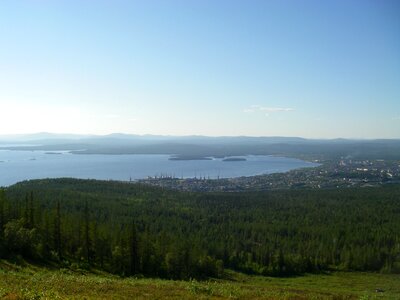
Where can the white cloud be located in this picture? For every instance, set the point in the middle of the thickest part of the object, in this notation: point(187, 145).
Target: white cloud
point(275, 109)
point(267, 110)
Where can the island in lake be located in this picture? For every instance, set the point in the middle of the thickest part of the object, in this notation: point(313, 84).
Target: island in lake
point(189, 157)
point(234, 159)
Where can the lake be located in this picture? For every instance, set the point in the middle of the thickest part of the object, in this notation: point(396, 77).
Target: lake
point(17, 166)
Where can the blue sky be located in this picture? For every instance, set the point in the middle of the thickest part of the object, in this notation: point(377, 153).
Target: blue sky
point(316, 69)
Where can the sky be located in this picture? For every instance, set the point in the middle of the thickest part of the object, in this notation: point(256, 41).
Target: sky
point(315, 69)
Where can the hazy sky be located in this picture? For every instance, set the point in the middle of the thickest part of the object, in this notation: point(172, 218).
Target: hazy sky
point(262, 68)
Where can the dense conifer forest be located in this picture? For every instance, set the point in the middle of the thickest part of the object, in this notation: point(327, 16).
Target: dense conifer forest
point(132, 229)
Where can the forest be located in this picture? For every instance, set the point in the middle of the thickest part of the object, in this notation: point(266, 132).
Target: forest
point(133, 229)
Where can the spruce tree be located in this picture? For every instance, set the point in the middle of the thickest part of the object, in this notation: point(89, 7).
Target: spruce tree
point(57, 230)
point(31, 211)
point(87, 241)
point(133, 249)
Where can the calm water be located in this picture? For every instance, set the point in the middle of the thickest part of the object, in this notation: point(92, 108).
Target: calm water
point(16, 166)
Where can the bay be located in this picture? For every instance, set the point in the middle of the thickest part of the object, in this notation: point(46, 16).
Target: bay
point(17, 166)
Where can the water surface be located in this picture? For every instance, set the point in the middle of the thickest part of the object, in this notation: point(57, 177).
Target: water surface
point(17, 166)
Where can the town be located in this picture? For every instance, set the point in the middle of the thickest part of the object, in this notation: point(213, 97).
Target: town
point(342, 173)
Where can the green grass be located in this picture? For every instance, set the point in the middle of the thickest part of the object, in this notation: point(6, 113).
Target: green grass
point(34, 282)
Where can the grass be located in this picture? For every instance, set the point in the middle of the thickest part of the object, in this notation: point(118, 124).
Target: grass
point(35, 282)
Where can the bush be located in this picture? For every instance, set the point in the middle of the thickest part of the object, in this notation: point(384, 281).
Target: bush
point(20, 240)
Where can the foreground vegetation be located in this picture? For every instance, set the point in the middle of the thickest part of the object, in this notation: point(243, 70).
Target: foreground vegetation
point(130, 229)
point(37, 282)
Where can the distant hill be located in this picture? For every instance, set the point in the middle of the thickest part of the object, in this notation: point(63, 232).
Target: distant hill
point(202, 146)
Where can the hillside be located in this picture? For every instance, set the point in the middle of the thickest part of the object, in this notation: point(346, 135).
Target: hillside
point(130, 229)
